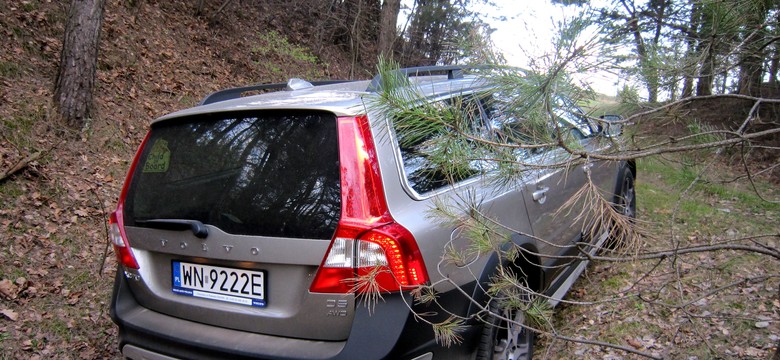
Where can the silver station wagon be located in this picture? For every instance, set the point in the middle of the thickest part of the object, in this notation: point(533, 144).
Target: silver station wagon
point(245, 224)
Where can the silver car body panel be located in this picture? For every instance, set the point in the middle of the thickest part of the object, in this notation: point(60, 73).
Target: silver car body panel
point(289, 265)
point(296, 321)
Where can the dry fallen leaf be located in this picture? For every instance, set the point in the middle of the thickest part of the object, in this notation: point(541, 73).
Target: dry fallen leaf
point(10, 314)
point(8, 289)
point(635, 344)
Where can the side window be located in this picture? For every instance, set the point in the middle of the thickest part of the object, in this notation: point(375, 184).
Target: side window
point(573, 120)
point(423, 156)
point(573, 131)
point(509, 126)
point(506, 126)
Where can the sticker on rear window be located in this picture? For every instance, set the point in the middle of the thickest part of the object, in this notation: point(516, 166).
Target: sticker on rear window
point(159, 157)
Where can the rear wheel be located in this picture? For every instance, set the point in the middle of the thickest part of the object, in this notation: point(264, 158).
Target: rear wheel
point(505, 340)
point(625, 204)
point(626, 200)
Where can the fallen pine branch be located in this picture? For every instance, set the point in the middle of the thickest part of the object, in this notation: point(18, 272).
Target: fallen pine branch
point(20, 165)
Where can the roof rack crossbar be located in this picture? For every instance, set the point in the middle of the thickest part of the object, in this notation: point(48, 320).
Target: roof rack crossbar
point(452, 71)
point(234, 93)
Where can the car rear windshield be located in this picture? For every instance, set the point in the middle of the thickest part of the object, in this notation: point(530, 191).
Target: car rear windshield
point(249, 173)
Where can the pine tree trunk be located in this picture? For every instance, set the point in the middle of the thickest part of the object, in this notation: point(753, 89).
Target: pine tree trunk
point(390, 9)
point(689, 72)
point(200, 4)
point(752, 57)
point(774, 64)
point(706, 67)
point(78, 60)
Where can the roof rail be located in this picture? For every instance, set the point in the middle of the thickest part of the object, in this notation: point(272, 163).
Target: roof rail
point(234, 93)
point(452, 71)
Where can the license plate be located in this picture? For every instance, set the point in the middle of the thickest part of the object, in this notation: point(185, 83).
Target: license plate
point(238, 286)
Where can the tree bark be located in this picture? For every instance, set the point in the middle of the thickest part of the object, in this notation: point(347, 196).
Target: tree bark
point(199, 7)
point(706, 68)
point(774, 63)
point(78, 61)
point(692, 38)
point(387, 28)
point(648, 71)
point(751, 56)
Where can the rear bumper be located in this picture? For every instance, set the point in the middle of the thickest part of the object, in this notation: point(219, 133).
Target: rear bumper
point(390, 331)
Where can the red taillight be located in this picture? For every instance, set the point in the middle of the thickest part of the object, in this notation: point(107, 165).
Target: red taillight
point(116, 220)
point(118, 238)
point(368, 243)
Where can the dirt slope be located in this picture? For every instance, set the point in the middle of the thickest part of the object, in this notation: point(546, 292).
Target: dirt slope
point(156, 57)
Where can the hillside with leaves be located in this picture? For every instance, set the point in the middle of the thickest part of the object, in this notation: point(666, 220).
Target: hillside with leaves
point(57, 185)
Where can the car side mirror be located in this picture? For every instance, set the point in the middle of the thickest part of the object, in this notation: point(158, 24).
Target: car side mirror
point(610, 125)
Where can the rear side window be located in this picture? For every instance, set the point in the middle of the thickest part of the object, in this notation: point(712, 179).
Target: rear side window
point(425, 167)
point(249, 173)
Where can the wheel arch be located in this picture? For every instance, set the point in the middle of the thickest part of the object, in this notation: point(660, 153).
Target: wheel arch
point(631, 166)
point(527, 263)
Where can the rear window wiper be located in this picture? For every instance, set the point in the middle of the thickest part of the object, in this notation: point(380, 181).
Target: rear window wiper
point(198, 228)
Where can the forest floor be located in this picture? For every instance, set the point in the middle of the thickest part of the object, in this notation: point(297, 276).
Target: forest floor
point(720, 304)
point(57, 270)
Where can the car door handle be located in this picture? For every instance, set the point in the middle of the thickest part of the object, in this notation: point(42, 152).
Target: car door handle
point(586, 167)
point(540, 195)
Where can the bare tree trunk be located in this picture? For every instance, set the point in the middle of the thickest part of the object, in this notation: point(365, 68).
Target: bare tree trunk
point(777, 351)
point(199, 7)
point(774, 63)
point(707, 66)
point(692, 38)
point(647, 69)
point(78, 60)
point(687, 89)
point(752, 56)
point(355, 36)
point(387, 30)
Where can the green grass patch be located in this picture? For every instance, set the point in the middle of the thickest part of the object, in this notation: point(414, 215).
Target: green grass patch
point(78, 279)
point(28, 6)
point(693, 211)
point(10, 190)
point(703, 132)
point(10, 69)
point(699, 201)
point(188, 100)
point(274, 48)
point(620, 330)
point(615, 282)
point(609, 105)
point(14, 274)
point(737, 306)
point(739, 264)
point(59, 328)
point(4, 336)
point(19, 129)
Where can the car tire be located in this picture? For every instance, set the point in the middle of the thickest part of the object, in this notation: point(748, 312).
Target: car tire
point(502, 340)
point(624, 203)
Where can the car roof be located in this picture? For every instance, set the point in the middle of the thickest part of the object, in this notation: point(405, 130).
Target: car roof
point(342, 98)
